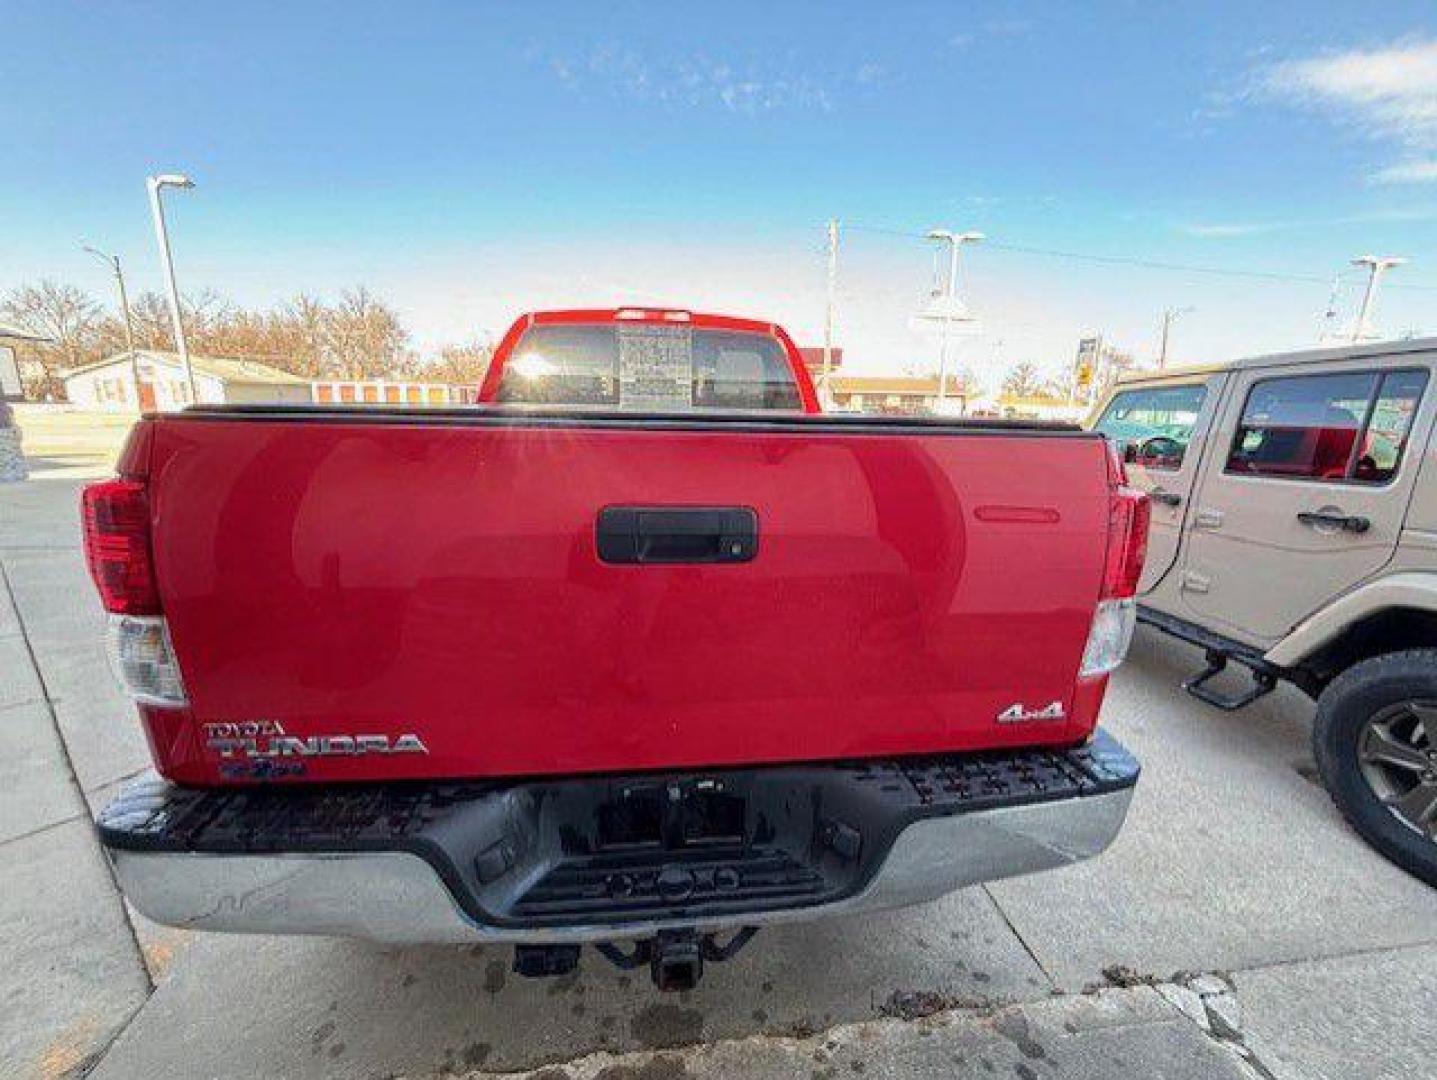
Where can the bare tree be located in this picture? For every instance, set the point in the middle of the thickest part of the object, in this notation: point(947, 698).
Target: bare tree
point(67, 317)
point(303, 319)
point(358, 336)
point(461, 365)
point(1023, 381)
point(364, 336)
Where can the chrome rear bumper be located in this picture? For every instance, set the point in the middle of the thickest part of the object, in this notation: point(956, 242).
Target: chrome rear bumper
point(397, 897)
point(400, 896)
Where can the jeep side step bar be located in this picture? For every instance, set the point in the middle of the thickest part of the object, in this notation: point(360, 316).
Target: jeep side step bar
point(1219, 651)
point(1262, 683)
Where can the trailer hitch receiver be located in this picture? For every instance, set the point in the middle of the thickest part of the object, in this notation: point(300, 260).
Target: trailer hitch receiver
point(676, 957)
point(542, 961)
point(678, 962)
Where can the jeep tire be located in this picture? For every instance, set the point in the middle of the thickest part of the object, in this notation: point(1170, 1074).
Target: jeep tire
point(1377, 758)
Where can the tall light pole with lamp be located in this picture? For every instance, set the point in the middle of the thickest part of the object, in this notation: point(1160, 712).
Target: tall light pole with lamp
point(1377, 265)
point(156, 184)
point(947, 308)
point(113, 262)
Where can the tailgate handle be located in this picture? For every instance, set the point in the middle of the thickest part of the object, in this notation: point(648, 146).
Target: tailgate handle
point(677, 534)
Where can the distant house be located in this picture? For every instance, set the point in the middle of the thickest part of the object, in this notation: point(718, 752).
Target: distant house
point(901, 394)
point(110, 385)
point(11, 388)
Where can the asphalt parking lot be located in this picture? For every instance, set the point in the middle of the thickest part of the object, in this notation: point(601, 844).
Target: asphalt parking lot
point(1237, 927)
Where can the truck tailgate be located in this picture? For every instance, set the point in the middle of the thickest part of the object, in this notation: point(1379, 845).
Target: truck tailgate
point(331, 574)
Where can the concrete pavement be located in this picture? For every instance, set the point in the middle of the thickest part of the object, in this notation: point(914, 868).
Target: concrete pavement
point(1233, 862)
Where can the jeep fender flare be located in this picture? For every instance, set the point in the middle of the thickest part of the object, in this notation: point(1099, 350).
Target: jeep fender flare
point(1412, 590)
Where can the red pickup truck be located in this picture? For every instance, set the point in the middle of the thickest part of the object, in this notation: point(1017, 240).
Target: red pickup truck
point(640, 651)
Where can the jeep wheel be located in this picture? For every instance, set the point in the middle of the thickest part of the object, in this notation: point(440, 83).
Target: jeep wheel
point(1375, 740)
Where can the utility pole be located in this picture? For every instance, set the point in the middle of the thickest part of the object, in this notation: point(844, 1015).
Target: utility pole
point(1170, 315)
point(162, 237)
point(1377, 265)
point(1329, 329)
point(113, 261)
point(832, 303)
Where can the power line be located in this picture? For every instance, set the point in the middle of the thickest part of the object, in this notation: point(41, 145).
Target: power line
point(1145, 264)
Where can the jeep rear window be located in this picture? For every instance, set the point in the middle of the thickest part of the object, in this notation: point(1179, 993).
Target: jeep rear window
point(1350, 426)
point(1156, 422)
point(648, 367)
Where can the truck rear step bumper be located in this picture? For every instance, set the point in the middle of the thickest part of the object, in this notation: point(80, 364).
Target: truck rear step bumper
point(609, 858)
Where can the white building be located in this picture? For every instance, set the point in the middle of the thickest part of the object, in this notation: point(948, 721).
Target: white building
point(109, 385)
point(1011, 407)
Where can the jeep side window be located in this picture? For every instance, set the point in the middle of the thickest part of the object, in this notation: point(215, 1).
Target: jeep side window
point(1154, 423)
point(1386, 434)
point(1348, 426)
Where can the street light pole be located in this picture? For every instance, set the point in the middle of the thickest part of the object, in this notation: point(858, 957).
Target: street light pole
point(1377, 265)
point(113, 261)
point(162, 237)
point(1170, 315)
point(950, 295)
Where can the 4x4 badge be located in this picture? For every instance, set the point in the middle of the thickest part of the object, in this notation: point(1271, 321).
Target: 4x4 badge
point(1017, 713)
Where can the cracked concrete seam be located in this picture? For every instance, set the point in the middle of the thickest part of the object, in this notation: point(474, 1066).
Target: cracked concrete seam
point(1209, 1000)
point(1018, 935)
point(1012, 1021)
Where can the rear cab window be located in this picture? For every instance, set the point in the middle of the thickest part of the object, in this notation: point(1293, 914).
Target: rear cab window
point(648, 367)
point(1155, 423)
point(1347, 427)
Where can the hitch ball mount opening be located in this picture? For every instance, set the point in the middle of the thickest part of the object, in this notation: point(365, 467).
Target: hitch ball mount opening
point(675, 957)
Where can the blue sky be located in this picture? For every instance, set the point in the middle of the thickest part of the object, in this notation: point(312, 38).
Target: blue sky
point(468, 161)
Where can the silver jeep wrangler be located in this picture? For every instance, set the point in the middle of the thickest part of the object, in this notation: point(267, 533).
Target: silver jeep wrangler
point(1294, 533)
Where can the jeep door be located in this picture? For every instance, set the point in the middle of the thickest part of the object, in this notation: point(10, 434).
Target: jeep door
point(1160, 428)
point(1304, 489)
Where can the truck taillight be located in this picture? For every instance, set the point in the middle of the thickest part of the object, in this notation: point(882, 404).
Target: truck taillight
point(1129, 514)
point(116, 515)
point(117, 546)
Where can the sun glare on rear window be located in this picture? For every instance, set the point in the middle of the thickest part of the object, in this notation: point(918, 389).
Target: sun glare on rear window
point(648, 367)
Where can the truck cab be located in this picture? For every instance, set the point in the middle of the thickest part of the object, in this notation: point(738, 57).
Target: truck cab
point(1294, 532)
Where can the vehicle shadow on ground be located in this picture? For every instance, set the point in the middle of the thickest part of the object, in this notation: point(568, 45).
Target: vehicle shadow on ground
point(266, 1006)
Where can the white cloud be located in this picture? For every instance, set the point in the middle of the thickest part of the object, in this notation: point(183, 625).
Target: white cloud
point(743, 85)
point(1390, 215)
point(1386, 93)
point(1226, 229)
point(1408, 172)
point(992, 28)
point(1008, 27)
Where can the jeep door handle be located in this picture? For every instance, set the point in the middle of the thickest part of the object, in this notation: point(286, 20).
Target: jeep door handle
point(1352, 523)
point(1167, 498)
